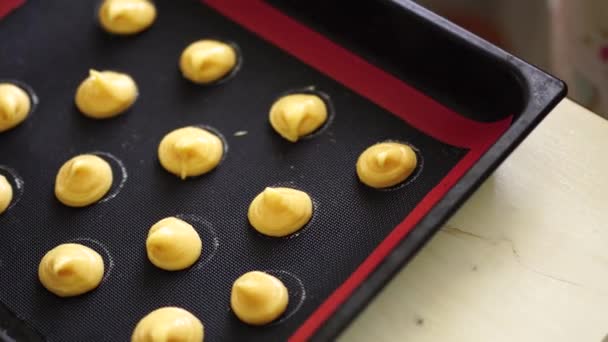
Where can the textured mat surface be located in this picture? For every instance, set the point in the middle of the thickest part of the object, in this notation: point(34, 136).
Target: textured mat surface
point(53, 55)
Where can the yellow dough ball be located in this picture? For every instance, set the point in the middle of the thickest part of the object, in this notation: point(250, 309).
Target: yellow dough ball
point(169, 324)
point(207, 60)
point(190, 151)
point(6, 194)
point(71, 269)
point(386, 164)
point(173, 244)
point(258, 298)
point(15, 105)
point(280, 211)
point(126, 16)
point(294, 116)
point(105, 94)
point(83, 180)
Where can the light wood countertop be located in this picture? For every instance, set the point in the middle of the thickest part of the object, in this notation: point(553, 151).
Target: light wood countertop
point(525, 259)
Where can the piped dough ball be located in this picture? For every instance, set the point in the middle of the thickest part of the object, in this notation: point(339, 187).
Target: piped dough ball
point(207, 61)
point(105, 94)
point(126, 17)
point(169, 324)
point(258, 298)
point(71, 269)
point(15, 106)
point(83, 180)
point(173, 244)
point(386, 164)
point(280, 211)
point(190, 151)
point(6, 194)
point(297, 115)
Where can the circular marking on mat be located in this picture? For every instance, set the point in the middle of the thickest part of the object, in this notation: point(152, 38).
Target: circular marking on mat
point(116, 165)
point(296, 291)
point(102, 250)
point(237, 67)
point(205, 230)
point(219, 135)
point(34, 100)
point(16, 182)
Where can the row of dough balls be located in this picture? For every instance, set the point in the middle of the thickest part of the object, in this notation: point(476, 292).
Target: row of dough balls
point(124, 17)
point(204, 61)
point(257, 298)
point(85, 179)
point(106, 94)
point(194, 151)
point(71, 269)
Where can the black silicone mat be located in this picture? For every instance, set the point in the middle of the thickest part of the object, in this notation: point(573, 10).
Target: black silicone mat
point(51, 45)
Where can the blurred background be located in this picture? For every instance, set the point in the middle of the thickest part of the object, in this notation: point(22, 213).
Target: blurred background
point(568, 38)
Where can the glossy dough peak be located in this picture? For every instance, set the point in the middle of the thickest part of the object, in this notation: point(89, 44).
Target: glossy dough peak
point(386, 164)
point(207, 61)
point(190, 151)
point(83, 180)
point(173, 244)
point(105, 94)
point(169, 324)
point(71, 269)
point(280, 211)
point(126, 17)
point(258, 298)
point(297, 115)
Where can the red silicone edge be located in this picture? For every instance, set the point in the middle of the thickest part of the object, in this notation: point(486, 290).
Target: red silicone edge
point(384, 90)
point(7, 6)
point(357, 74)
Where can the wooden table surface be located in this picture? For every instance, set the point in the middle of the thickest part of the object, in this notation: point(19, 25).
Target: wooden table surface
point(525, 259)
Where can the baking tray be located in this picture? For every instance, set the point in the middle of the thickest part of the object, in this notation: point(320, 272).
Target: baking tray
point(390, 69)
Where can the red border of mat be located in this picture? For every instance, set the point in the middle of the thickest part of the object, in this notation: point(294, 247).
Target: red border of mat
point(383, 89)
point(7, 6)
point(378, 86)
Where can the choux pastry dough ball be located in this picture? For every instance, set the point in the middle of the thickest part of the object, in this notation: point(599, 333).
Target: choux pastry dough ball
point(386, 164)
point(71, 269)
point(83, 180)
point(297, 115)
point(169, 324)
point(15, 105)
point(105, 94)
point(206, 61)
point(126, 17)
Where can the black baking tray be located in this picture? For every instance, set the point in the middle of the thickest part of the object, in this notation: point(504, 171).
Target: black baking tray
point(390, 70)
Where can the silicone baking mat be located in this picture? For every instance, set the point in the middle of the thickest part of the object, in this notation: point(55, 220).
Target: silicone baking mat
point(50, 46)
